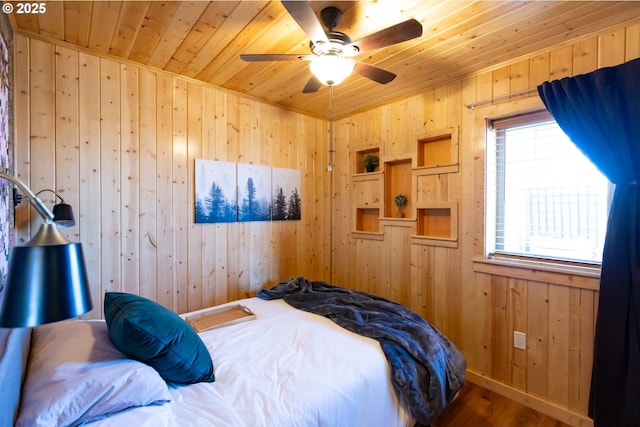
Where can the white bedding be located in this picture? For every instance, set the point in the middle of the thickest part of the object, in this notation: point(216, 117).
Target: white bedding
point(284, 368)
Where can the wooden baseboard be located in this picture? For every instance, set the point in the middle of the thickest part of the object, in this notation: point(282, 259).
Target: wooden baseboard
point(540, 405)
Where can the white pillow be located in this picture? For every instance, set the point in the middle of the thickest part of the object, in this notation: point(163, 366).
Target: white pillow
point(76, 375)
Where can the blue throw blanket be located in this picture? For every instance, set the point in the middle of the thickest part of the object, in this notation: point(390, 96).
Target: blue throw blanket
point(427, 370)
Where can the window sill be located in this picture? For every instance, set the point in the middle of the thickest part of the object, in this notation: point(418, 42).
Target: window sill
point(538, 271)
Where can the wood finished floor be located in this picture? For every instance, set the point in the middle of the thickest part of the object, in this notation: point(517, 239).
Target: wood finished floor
point(479, 407)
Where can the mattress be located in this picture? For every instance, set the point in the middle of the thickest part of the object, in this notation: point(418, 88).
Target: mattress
point(284, 368)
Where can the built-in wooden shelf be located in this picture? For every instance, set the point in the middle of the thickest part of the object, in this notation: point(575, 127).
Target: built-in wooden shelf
point(367, 220)
point(437, 152)
point(437, 224)
point(373, 193)
point(367, 223)
point(367, 176)
point(397, 180)
point(367, 235)
point(398, 222)
point(358, 156)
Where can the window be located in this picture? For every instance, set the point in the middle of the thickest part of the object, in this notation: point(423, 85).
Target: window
point(545, 199)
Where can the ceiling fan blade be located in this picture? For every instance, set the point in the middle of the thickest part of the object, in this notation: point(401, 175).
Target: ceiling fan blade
point(263, 57)
point(306, 18)
point(312, 85)
point(374, 73)
point(398, 33)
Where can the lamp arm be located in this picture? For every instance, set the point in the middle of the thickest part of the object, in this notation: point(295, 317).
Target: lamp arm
point(37, 203)
point(51, 191)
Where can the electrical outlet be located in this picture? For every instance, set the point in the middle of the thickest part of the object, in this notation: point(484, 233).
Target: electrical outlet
point(520, 340)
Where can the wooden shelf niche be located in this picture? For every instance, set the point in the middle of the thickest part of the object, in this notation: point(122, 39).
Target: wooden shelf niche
point(358, 156)
point(437, 225)
point(397, 180)
point(437, 152)
point(367, 224)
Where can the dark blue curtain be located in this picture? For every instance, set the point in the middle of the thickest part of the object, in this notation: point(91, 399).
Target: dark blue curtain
point(600, 112)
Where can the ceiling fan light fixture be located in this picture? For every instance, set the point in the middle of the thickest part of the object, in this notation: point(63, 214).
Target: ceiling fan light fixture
point(332, 50)
point(331, 69)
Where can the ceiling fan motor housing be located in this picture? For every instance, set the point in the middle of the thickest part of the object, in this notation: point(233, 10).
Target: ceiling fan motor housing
point(330, 17)
point(339, 45)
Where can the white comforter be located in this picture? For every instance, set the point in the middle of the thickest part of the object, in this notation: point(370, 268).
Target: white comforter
point(284, 368)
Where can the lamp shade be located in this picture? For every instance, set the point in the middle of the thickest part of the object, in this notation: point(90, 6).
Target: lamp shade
point(46, 281)
point(63, 215)
point(331, 69)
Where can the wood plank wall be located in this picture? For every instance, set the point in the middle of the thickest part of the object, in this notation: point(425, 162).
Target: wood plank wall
point(477, 304)
point(118, 142)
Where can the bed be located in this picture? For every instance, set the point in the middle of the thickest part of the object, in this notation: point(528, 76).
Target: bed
point(285, 367)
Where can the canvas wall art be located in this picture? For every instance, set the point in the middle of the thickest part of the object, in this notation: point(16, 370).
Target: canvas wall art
point(215, 193)
point(286, 203)
point(230, 192)
point(254, 193)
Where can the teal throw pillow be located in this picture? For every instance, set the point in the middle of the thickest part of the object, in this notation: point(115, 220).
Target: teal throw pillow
point(146, 331)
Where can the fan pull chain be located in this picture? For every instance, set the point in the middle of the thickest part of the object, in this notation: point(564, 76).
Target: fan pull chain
point(331, 150)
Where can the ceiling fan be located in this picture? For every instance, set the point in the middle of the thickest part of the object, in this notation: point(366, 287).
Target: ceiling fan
point(332, 51)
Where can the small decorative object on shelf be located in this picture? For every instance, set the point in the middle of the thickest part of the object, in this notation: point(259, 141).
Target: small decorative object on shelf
point(370, 162)
point(401, 202)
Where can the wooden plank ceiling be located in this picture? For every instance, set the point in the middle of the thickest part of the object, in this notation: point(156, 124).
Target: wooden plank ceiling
point(204, 40)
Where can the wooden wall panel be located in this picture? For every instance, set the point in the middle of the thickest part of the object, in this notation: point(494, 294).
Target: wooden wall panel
point(582, 314)
point(397, 274)
point(500, 328)
point(130, 179)
point(88, 211)
point(632, 42)
point(119, 141)
point(194, 151)
point(165, 226)
point(537, 339)
point(518, 317)
point(67, 152)
point(108, 205)
point(148, 185)
point(42, 120)
point(21, 123)
point(180, 191)
point(342, 246)
point(219, 246)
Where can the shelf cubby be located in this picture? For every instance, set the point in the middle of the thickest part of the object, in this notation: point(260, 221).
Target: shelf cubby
point(358, 156)
point(367, 219)
point(367, 224)
point(437, 224)
point(437, 152)
point(397, 180)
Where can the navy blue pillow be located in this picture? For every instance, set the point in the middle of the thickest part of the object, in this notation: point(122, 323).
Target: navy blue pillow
point(146, 331)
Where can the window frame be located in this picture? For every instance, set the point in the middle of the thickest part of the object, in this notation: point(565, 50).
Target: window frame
point(514, 119)
point(581, 277)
